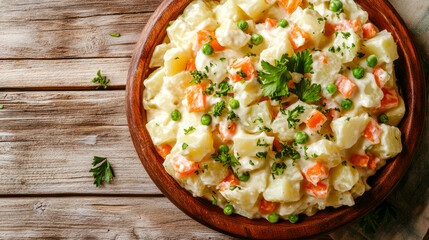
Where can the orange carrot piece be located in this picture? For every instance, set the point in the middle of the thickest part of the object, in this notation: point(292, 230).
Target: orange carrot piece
point(190, 66)
point(329, 28)
point(203, 37)
point(270, 23)
point(182, 166)
point(163, 150)
point(276, 144)
point(267, 207)
point(372, 132)
point(320, 190)
point(345, 86)
point(298, 37)
point(390, 99)
point(369, 30)
point(380, 76)
point(196, 98)
point(354, 25)
point(372, 163)
point(360, 160)
point(241, 66)
point(290, 5)
point(229, 181)
point(227, 130)
point(316, 173)
point(316, 121)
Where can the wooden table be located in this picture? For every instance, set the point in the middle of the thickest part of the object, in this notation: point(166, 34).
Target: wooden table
point(54, 122)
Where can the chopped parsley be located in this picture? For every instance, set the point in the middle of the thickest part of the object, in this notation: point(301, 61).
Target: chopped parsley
point(226, 159)
point(250, 54)
point(214, 202)
point(258, 119)
point(264, 129)
point(209, 90)
point(288, 151)
point(197, 77)
point(305, 153)
point(278, 168)
point(218, 108)
point(360, 54)
point(344, 163)
point(232, 116)
point(242, 74)
point(260, 143)
point(292, 118)
point(251, 163)
point(223, 87)
point(184, 146)
point(222, 59)
point(306, 91)
point(346, 35)
point(190, 129)
point(115, 34)
point(102, 80)
point(261, 154)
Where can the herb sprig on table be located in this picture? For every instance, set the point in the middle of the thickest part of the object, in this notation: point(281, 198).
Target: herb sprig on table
point(102, 80)
point(101, 171)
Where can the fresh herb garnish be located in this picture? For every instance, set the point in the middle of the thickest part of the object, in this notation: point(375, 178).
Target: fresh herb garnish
point(214, 202)
point(218, 108)
point(115, 34)
point(292, 118)
point(184, 146)
point(197, 77)
point(258, 119)
point(101, 171)
point(278, 168)
point(306, 91)
point(190, 129)
point(102, 80)
point(261, 154)
point(224, 87)
point(288, 151)
point(232, 116)
point(226, 159)
point(210, 89)
point(264, 129)
point(261, 143)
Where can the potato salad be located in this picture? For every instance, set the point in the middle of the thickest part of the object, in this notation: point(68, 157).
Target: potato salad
point(274, 108)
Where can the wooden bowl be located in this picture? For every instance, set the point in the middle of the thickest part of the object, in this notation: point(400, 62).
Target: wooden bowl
point(411, 79)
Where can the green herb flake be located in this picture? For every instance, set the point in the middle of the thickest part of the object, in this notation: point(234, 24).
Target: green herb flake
point(306, 91)
point(293, 115)
point(101, 171)
point(190, 129)
point(184, 146)
point(262, 154)
point(102, 80)
point(115, 34)
point(218, 108)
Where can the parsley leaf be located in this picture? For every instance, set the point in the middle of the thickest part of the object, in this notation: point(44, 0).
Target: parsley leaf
point(224, 87)
point(197, 77)
point(184, 146)
point(261, 154)
point(102, 80)
point(278, 168)
point(288, 151)
point(101, 171)
point(301, 62)
point(232, 116)
point(190, 129)
point(265, 129)
point(306, 91)
point(226, 159)
point(292, 116)
point(262, 143)
point(210, 89)
point(275, 78)
point(218, 108)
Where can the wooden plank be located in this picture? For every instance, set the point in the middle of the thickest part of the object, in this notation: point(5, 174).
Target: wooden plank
point(71, 29)
point(48, 140)
point(98, 217)
point(62, 74)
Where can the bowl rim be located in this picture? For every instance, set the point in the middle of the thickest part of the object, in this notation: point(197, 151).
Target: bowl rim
point(324, 221)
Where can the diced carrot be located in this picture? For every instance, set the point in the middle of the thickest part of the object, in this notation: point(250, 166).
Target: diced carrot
point(316, 173)
point(372, 132)
point(227, 130)
point(372, 163)
point(290, 5)
point(240, 67)
point(276, 144)
point(323, 59)
point(329, 28)
point(275, 112)
point(196, 98)
point(381, 76)
point(354, 25)
point(316, 121)
point(390, 99)
point(345, 86)
point(369, 30)
point(267, 207)
point(360, 160)
point(229, 181)
point(298, 37)
point(270, 23)
point(203, 37)
point(190, 66)
point(182, 166)
point(320, 190)
point(163, 150)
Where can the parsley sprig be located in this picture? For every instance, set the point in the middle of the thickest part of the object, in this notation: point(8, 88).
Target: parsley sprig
point(306, 91)
point(218, 108)
point(102, 80)
point(293, 115)
point(288, 151)
point(226, 159)
point(275, 78)
point(101, 171)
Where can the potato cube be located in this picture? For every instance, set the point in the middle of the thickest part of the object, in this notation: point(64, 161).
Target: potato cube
point(157, 59)
point(247, 93)
point(367, 92)
point(308, 21)
point(229, 11)
point(229, 35)
point(253, 8)
point(175, 61)
point(343, 178)
point(390, 144)
point(153, 84)
point(347, 130)
point(247, 144)
point(258, 115)
point(214, 173)
point(325, 73)
point(216, 67)
point(200, 143)
point(396, 114)
point(197, 12)
point(354, 11)
point(179, 33)
point(346, 46)
point(162, 129)
point(383, 46)
point(286, 187)
point(338, 199)
point(327, 152)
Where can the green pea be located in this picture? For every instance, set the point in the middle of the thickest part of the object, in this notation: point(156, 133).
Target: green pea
point(383, 118)
point(176, 115)
point(358, 72)
point(234, 104)
point(223, 149)
point(283, 23)
point(372, 61)
point(346, 104)
point(273, 217)
point(244, 177)
point(257, 39)
point(335, 5)
point(206, 119)
point(293, 218)
point(207, 49)
point(243, 25)
point(331, 88)
point(228, 209)
point(301, 137)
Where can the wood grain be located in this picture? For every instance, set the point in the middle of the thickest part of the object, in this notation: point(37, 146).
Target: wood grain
point(62, 74)
point(48, 29)
point(48, 139)
point(409, 69)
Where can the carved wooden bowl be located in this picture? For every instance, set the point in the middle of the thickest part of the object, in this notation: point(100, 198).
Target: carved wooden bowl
point(411, 80)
